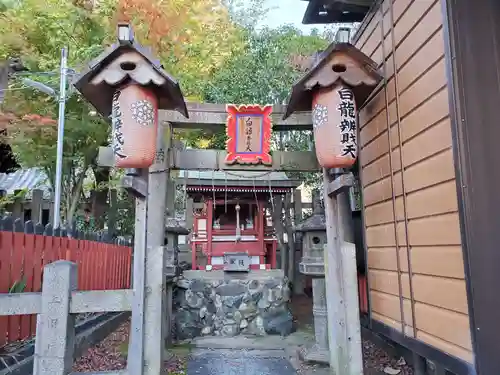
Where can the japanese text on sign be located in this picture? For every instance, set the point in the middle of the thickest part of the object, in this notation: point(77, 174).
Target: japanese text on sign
point(248, 134)
point(117, 124)
point(239, 262)
point(236, 262)
point(347, 123)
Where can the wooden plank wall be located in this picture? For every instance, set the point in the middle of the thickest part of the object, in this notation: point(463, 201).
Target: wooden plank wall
point(411, 111)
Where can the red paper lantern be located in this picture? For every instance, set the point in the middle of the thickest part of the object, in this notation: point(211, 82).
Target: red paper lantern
point(135, 126)
point(335, 127)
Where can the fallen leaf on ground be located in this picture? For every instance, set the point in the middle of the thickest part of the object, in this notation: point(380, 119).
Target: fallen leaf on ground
point(391, 370)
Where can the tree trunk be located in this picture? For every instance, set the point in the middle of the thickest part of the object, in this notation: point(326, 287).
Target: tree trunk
point(277, 214)
point(99, 196)
point(291, 241)
point(75, 197)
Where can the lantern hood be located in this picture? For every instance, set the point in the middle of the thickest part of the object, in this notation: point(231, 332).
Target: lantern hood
point(124, 62)
point(339, 62)
point(317, 221)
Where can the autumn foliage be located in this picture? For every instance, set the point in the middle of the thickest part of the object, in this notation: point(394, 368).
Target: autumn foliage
point(191, 37)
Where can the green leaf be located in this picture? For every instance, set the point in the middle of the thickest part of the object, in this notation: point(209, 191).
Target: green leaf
point(19, 286)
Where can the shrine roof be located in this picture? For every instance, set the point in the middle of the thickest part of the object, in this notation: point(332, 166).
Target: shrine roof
point(26, 179)
point(336, 11)
point(240, 178)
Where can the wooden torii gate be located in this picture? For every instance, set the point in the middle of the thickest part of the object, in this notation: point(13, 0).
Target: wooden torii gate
point(127, 62)
point(153, 191)
point(339, 64)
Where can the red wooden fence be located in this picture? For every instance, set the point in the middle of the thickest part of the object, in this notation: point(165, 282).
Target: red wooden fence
point(23, 256)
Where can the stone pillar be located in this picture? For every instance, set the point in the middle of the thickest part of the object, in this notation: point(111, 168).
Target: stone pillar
point(319, 351)
point(155, 298)
point(55, 326)
point(314, 240)
point(173, 230)
point(146, 348)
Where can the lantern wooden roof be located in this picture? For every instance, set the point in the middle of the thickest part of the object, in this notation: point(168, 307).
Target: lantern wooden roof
point(123, 62)
point(339, 62)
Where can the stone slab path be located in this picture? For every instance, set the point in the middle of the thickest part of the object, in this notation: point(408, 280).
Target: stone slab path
point(239, 362)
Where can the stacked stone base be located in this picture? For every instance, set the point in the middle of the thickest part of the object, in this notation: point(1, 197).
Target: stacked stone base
point(222, 304)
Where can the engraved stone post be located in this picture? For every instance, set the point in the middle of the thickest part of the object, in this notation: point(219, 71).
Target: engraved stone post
point(154, 308)
point(312, 264)
point(173, 230)
point(55, 329)
point(319, 352)
point(155, 291)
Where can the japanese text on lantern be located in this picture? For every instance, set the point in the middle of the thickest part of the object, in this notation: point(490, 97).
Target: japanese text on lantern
point(347, 123)
point(117, 124)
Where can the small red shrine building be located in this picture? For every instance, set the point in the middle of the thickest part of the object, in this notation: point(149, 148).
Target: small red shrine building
point(232, 226)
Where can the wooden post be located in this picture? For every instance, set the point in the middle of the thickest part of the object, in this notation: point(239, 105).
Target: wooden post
point(51, 210)
point(172, 246)
point(297, 206)
point(299, 282)
point(112, 211)
point(290, 237)
point(341, 282)
point(277, 212)
point(189, 213)
point(36, 205)
point(18, 209)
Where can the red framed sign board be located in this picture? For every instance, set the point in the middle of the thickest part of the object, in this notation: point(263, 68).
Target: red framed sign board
point(249, 131)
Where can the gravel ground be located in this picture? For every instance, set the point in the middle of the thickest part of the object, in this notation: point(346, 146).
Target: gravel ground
point(111, 355)
point(108, 355)
point(376, 360)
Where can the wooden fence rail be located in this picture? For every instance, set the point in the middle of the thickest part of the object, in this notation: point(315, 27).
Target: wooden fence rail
point(26, 248)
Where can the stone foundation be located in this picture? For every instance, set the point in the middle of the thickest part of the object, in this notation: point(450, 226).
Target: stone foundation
point(222, 304)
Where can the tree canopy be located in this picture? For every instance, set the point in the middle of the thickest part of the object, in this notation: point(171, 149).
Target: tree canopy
point(192, 38)
point(210, 46)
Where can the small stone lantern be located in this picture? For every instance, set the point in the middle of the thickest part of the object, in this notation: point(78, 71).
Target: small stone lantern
point(312, 264)
point(173, 230)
